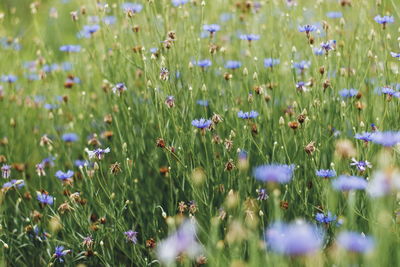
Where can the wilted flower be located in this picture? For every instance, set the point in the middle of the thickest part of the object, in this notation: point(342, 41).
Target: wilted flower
point(182, 242)
point(294, 239)
point(347, 183)
point(355, 242)
point(278, 173)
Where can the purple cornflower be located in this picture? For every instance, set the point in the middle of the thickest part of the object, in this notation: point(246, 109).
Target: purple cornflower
point(365, 136)
point(361, 165)
point(301, 86)
point(45, 198)
point(201, 123)
point(271, 62)
point(325, 173)
point(389, 138)
point(355, 242)
point(177, 3)
point(182, 241)
point(132, 7)
point(388, 91)
point(294, 239)
point(14, 183)
point(70, 137)
point(211, 28)
point(131, 236)
point(204, 63)
point(347, 183)
point(64, 175)
point(278, 173)
point(307, 29)
point(119, 88)
point(9, 78)
point(249, 37)
point(247, 115)
point(59, 253)
point(233, 64)
point(325, 218)
point(6, 171)
point(384, 20)
point(203, 103)
point(262, 194)
point(97, 153)
point(70, 48)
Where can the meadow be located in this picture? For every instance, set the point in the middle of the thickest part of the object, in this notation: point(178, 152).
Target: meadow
point(199, 133)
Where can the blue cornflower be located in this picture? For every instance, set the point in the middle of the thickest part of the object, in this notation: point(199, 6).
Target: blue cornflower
point(249, 37)
point(59, 253)
point(211, 28)
point(329, 45)
point(348, 93)
point(203, 103)
point(88, 31)
point(81, 163)
point(270, 62)
point(70, 137)
point(247, 115)
point(204, 63)
point(361, 165)
point(395, 55)
point(45, 198)
point(97, 153)
point(201, 123)
point(131, 236)
point(302, 65)
point(307, 29)
point(388, 138)
point(6, 171)
point(262, 194)
point(318, 51)
point(119, 88)
point(325, 218)
point(365, 136)
point(278, 173)
point(355, 242)
point(177, 3)
point(9, 78)
point(295, 239)
point(384, 20)
point(109, 20)
point(325, 173)
point(14, 183)
point(232, 64)
point(347, 183)
point(70, 48)
point(64, 175)
point(132, 7)
point(334, 15)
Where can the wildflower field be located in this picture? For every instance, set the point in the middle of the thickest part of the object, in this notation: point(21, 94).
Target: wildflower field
point(200, 133)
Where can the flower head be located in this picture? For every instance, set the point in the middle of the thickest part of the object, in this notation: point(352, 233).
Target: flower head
point(307, 28)
point(325, 173)
point(348, 93)
point(278, 173)
point(361, 165)
point(347, 183)
point(131, 236)
point(45, 198)
point(64, 175)
point(70, 48)
point(270, 62)
point(325, 218)
point(59, 253)
point(355, 242)
point(247, 115)
point(70, 137)
point(204, 63)
point(132, 7)
point(14, 184)
point(98, 153)
point(9, 78)
point(384, 20)
point(365, 136)
point(6, 171)
point(388, 138)
point(119, 88)
point(232, 64)
point(201, 123)
point(249, 37)
point(211, 28)
point(294, 239)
